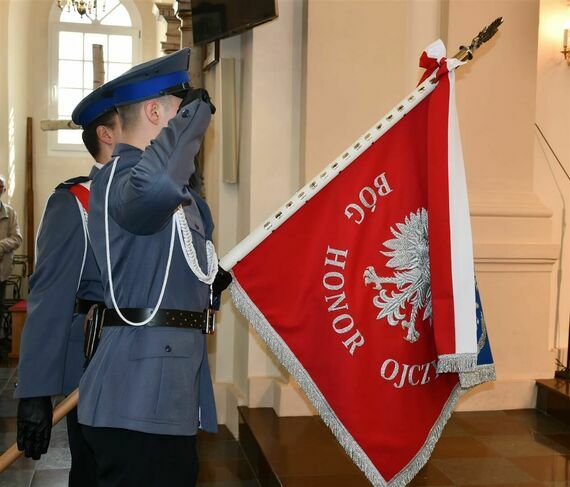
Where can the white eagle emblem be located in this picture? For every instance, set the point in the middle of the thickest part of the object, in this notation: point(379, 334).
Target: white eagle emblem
point(409, 256)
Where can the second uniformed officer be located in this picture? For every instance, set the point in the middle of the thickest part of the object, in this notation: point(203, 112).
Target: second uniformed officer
point(65, 283)
point(148, 387)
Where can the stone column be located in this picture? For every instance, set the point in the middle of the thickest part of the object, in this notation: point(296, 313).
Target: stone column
point(166, 12)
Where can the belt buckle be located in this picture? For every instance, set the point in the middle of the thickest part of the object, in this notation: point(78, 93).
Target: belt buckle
point(210, 323)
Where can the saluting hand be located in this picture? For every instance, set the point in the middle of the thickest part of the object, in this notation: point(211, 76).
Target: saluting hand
point(34, 426)
point(197, 94)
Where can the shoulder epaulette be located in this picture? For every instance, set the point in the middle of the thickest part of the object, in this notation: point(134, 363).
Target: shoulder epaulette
point(79, 187)
point(72, 182)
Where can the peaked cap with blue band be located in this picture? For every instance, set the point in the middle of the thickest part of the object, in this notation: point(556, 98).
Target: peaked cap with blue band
point(91, 107)
point(159, 77)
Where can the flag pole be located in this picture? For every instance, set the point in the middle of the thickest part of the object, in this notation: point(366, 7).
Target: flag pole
point(466, 52)
point(341, 162)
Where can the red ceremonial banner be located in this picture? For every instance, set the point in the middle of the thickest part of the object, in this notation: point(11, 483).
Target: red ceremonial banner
point(356, 292)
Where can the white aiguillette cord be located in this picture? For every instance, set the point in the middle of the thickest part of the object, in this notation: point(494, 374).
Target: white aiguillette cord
point(185, 235)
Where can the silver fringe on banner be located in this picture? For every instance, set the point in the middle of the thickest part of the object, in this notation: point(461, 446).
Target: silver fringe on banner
point(481, 374)
point(456, 362)
point(286, 357)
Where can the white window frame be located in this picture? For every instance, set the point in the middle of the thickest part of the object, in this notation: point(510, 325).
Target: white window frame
point(55, 27)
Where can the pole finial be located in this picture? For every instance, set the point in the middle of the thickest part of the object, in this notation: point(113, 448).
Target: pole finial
point(466, 52)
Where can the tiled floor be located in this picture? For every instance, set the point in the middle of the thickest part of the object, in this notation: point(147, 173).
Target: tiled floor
point(478, 449)
point(521, 448)
point(222, 462)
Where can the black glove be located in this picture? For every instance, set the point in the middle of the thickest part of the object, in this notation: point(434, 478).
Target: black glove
point(197, 94)
point(222, 280)
point(34, 425)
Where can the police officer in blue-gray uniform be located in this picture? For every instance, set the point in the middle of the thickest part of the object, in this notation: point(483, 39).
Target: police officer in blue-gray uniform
point(148, 388)
point(65, 283)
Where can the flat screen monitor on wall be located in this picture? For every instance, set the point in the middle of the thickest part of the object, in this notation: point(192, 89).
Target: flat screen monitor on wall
point(216, 19)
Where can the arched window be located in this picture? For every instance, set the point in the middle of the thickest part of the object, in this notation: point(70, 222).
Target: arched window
point(116, 26)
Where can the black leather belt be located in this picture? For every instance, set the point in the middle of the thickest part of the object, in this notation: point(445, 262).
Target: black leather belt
point(163, 317)
point(82, 306)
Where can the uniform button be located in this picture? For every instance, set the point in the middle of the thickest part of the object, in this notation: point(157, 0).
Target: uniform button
point(168, 348)
point(196, 226)
point(185, 113)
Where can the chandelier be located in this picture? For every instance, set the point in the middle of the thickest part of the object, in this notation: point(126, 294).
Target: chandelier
point(82, 7)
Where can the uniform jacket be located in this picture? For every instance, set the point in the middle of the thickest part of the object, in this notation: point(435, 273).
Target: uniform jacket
point(151, 379)
point(10, 239)
point(51, 349)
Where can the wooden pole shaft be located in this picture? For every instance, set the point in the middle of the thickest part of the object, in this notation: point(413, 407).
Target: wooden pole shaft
point(30, 241)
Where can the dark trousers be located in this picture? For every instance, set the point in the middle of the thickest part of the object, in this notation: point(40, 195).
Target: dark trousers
point(5, 317)
point(128, 458)
point(83, 472)
point(2, 293)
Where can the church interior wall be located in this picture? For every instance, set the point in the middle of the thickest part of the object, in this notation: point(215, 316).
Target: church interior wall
point(274, 154)
point(27, 95)
point(228, 352)
point(344, 38)
point(268, 72)
point(14, 120)
point(4, 13)
point(301, 99)
point(515, 228)
point(551, 175)
point(222, 199)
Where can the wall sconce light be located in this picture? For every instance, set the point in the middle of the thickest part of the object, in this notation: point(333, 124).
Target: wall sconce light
point(565, 50)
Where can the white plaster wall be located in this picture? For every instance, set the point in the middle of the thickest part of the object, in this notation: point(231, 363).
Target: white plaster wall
point(551, 175)
point(345, 40)
point(274, 162)
point(362, 56)
point(223, 201)
point(230, 205)
point(512, 227)
point(269, 102)
point(19, 13)
point(4, 14)
point(423, 26)
point(496, 93)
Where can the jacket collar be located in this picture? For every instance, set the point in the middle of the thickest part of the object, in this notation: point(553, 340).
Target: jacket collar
point(128, 156)
point(94, 171)
point(127, 151)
